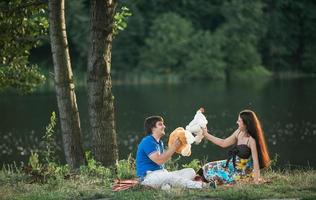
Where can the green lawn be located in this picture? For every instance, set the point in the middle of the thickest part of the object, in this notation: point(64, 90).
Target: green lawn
point(282, 184)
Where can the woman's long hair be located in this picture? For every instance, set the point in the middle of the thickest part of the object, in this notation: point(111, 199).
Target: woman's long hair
point(254, 129)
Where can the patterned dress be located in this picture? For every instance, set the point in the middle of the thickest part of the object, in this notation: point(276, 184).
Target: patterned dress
point(238, 166)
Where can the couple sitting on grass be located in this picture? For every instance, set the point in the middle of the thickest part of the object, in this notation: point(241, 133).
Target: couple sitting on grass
point(248, 155)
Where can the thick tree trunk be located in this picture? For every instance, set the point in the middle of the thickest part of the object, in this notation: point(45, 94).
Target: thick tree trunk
point(100, 98)
point(64, 85)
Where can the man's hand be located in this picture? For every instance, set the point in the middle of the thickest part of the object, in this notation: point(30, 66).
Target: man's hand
point(175, 144)
point(165, 156)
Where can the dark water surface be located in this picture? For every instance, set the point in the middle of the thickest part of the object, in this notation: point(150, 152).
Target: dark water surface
point(286, 109)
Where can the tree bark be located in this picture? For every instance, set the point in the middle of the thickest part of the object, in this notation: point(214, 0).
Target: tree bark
point(100, 97)
point(64, 86)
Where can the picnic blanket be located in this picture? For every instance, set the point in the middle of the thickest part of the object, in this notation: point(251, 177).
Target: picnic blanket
point(120, 184)
point(124, 184)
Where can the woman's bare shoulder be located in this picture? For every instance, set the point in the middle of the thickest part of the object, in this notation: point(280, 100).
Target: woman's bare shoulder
point(252, 141)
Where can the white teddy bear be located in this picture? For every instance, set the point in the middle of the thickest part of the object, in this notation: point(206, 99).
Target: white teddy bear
point(195, 126)
point(186, 137)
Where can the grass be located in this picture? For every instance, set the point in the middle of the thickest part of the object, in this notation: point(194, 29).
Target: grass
point(14, 184)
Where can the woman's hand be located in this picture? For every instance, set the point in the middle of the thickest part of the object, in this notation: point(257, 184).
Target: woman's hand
point(258, 181)
point(204, 131)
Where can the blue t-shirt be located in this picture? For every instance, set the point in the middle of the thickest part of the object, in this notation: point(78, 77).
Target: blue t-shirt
point(146, 147)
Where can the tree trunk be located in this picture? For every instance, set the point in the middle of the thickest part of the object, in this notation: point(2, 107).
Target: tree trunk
point(100, 98)
point(64, 85)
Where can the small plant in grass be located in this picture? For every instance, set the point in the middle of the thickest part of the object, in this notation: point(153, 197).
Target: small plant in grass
point(11, 173)
point(40, 172)
point(94, 168)
point(58, 171)
point(274, 161)
point(35, 169)
point(126, 168)
point(43, 166)
point(172, 164)
point(34, 162)
point(49, 139)
point(195, 164)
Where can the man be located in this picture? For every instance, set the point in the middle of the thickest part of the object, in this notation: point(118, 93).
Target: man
point(151, 156)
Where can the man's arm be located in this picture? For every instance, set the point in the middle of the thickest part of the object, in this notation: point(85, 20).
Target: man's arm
point(165, 156)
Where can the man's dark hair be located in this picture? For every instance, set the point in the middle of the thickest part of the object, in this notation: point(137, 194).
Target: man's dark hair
point(150, 123)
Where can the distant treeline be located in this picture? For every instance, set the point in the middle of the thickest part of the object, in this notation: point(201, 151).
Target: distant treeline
point(201, 39)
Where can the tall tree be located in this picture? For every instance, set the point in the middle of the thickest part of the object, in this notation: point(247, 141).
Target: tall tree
point(64, 85)
point(100, 97)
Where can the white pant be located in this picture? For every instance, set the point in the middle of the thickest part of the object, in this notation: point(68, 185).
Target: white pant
point(181, 178)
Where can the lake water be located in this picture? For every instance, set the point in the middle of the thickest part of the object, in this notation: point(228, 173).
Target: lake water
point(286, 109)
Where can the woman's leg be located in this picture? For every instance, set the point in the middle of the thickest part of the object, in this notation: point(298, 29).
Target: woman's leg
point(216, 171)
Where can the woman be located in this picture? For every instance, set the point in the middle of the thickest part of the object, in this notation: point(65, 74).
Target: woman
point(246, 158)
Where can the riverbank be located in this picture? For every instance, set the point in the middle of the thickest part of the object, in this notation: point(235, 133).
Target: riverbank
point(299, 184)
point(143, 78)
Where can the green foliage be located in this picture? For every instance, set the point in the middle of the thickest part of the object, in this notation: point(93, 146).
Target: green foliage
point(94, 168)
point(290, 41)
point(40, 172)
point(253, 73)
point(126, 168)
point(174, 47)
point(205, 57)
point(120, 19)
point(34, 162)
point(195, 164)
point(23, 78)
point(43, 167)
point(167, 44)
point(77, 24)
point(49, 138)
point(36, 170)
point(172, 164)
point(167, 37)
point(274, 161)
point(61, 171)
point(241, 32)
point(127, 44)
point(11, 173)
point(22, 25)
